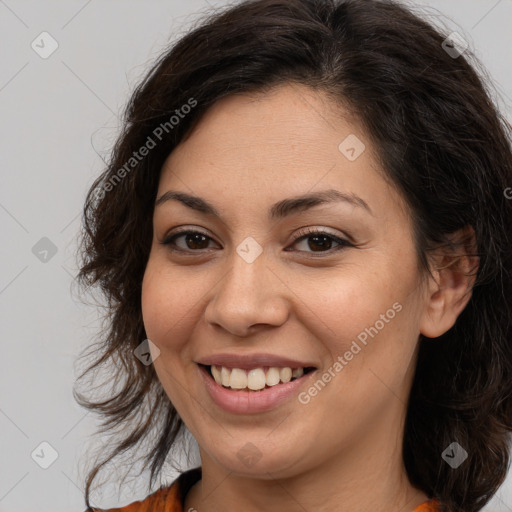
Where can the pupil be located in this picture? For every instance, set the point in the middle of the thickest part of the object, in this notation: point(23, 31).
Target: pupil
point(325, 244)
point(194, 240)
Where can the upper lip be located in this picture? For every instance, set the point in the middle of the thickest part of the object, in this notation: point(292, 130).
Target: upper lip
point(248, 361)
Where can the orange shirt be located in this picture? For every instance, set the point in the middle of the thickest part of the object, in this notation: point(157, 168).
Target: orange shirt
point(170, 498)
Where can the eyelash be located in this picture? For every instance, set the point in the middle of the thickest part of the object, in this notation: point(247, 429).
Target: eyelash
point(304, 234)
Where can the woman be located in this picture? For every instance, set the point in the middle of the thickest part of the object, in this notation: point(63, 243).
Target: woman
point(304, 237)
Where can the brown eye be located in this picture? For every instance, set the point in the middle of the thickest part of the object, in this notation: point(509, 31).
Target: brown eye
point(192, 241)
point(196, 241)
point(320, 241)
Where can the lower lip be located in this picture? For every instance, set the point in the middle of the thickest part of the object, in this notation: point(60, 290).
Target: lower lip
point(251, 402)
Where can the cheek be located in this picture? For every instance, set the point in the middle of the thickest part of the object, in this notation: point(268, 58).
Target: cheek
point(165, 304)
point(347, 303)
point(166, 312)
point(369, 316)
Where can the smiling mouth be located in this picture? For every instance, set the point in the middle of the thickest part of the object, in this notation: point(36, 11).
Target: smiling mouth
point(284, 376)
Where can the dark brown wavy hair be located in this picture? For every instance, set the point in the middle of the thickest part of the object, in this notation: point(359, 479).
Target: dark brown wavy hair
point(441, 140)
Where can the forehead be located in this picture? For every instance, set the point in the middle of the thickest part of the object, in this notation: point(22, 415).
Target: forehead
point(263, 147)
point(289, 121)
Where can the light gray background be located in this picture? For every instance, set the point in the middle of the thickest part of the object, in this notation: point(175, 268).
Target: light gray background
point(58, 115)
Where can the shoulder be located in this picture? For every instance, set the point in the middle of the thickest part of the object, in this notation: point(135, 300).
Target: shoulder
point(163, 499)
point(166, 499)
point(429, 506)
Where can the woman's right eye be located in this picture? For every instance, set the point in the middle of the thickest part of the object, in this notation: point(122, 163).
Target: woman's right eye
point(193, 241)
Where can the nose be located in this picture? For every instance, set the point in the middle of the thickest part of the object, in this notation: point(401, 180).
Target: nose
point(248, 297)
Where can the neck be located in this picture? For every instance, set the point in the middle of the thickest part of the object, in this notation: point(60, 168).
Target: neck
point(363, 477)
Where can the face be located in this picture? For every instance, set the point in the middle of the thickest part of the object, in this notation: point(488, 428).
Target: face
point(332, 282)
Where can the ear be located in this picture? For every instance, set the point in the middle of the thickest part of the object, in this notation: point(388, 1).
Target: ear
point(448, 292)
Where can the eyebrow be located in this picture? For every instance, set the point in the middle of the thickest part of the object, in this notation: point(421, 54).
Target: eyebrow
point(278, 210)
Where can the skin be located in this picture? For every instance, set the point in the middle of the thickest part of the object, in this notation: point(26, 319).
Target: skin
point(341, 451)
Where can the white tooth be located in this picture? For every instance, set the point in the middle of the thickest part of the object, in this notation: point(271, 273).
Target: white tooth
point(285, 374)
point(256, 379)
point(216, 374)
point(272, 377)
point(238, 379)
point(225, 374)
point(298, 372)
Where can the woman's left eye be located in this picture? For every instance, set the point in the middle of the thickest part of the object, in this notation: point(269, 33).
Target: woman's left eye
point(321, 241)
point(315, 240)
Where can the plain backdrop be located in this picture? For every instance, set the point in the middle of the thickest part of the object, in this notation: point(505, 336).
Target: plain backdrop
point(59, 115)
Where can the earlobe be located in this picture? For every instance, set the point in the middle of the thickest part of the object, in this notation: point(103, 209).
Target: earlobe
point(450, 289)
